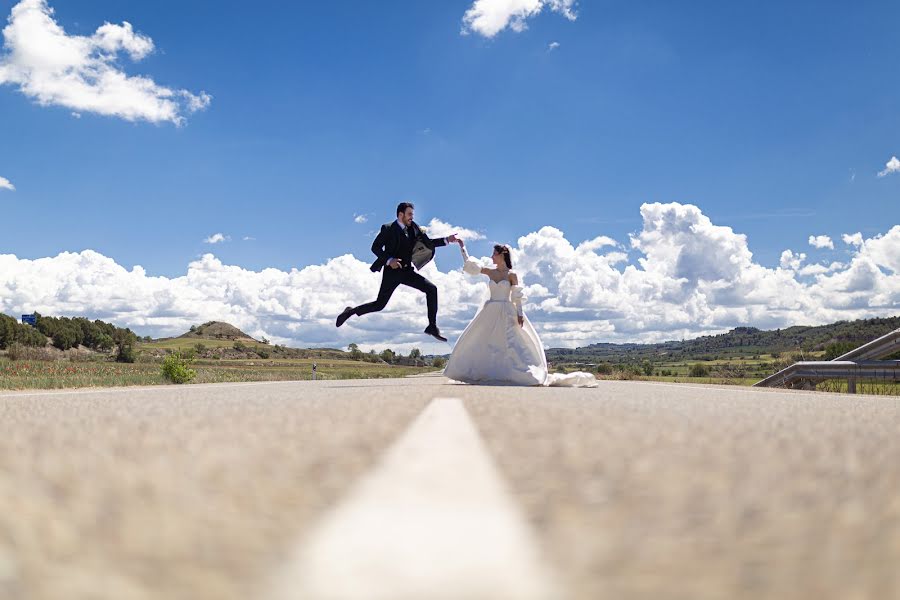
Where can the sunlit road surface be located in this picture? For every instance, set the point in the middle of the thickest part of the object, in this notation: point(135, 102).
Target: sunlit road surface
point(421, 488)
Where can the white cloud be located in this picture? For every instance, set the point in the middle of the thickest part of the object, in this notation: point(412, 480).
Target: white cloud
point(891, 166)
point(792, 261)
point(248, 238)
point(360, 219)
point(821, 269)
point(84, 73)
point(597, 243)
point(438, 229)
point(552, 46)
point(855, 239)
point(821, 241)
point(216, 238)
point(490, 17)
point(6, 184)
point(693, 278)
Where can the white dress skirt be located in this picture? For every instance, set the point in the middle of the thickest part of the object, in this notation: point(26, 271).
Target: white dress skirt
point(495, 350)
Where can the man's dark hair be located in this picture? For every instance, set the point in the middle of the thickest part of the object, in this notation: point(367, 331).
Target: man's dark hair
point(401, 208)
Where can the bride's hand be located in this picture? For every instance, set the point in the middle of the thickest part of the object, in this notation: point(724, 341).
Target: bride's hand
point(461, 243)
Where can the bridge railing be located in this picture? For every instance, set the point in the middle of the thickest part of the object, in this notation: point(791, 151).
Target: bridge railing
point(860, 363)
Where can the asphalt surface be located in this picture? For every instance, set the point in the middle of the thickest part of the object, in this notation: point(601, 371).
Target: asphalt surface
point(632, 490)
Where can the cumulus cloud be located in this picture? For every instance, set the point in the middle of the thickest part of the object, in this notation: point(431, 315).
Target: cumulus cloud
point(891, 166)
point(490, 17)
point(6, 184)
point(552, 46)
point(821, 241)
point(360, 219)
point(853, 239)
point(216, 238)
point(792, 261)
point(438, 229)
point(597, 243)
point(83, 73)
point(692, 278)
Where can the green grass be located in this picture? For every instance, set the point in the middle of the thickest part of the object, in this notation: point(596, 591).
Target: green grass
point(753, 371)
point(64, 374)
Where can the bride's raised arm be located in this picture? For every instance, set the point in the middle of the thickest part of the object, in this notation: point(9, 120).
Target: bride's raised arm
point(470, 266)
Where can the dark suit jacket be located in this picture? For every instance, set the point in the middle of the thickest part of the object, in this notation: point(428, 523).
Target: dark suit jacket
point(392, 242)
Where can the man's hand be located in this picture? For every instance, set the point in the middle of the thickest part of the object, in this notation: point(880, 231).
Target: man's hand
point(521, 321)
point(452, 239)
point(394, 263)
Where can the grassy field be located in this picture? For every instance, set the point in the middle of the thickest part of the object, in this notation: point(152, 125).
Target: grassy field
point(737, 371)
point(22, 375)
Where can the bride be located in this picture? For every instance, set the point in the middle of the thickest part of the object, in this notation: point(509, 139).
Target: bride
point(500, 346)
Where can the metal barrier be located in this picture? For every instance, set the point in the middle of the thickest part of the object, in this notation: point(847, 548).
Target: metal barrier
point(860, 363)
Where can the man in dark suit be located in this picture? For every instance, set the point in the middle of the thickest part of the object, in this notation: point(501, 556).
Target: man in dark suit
point(400, 246)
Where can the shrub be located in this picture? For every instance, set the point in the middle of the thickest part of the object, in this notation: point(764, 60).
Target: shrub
point(200, 349)
point(176, 368)
point(65, 338)
point(832, 351)
point(239, 346)
point(699, 370)
point(438, 362)
point(604, 369)
point(16, 351)
point(262, 353)
point(125, 354)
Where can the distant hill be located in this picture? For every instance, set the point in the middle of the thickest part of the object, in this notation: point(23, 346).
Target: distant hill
point(217, 330)
point(740, 341)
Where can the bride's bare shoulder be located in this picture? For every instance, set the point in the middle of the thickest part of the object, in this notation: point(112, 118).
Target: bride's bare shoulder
point(513, 278)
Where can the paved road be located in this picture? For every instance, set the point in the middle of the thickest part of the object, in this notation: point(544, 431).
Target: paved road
point(282, 490)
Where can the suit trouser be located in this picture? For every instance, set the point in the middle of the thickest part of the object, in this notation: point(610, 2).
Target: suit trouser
point(390, 279)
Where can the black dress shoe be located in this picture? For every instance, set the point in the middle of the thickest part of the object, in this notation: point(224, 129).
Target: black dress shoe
point(344, 316)
point(434, 332)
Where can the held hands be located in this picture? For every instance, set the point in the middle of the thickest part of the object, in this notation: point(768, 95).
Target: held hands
point(453, 239)
point(521, 321)
point(461, 243)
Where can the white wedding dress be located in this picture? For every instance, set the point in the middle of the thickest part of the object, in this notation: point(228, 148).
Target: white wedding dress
point(495, 350)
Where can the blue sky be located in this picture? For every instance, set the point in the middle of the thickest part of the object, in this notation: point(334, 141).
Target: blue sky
point(773, 119)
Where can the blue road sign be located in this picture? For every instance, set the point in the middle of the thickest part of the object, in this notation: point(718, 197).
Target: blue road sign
point(29, 320)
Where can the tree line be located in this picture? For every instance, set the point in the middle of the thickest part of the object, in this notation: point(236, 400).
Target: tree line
point(66, 333)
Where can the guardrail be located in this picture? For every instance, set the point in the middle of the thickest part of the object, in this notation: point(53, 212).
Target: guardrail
point(855, 365)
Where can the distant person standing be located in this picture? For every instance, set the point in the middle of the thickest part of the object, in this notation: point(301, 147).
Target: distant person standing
point(401, 248)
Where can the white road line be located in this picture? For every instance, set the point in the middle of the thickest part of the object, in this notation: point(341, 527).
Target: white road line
point(433, 520)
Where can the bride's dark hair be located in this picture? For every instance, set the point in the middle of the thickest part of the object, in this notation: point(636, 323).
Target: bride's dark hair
point(504, 250)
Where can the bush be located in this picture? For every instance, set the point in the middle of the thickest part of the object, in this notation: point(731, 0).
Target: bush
point(438, 362)
point(65, 338)
point(176, 368)
point(16, 351)
point(200, 349)
point(604, 369)
point(832, 351)
point(699, 370)
point(240, 346)
point(262, 353)
point(125, 354)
